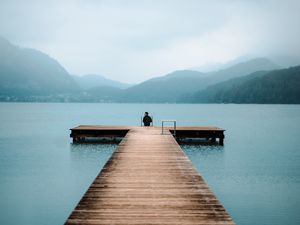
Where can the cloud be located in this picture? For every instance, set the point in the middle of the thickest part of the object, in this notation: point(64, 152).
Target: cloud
point(135, 40)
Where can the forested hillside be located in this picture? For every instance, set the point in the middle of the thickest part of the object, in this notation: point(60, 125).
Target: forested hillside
point(278, 86)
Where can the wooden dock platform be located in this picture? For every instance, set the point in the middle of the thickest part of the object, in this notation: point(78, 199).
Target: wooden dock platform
point(80, 133)
point(148, 180)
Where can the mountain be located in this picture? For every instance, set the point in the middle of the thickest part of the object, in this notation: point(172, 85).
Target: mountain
point(30, 75)
point(242, 69)
point(213, 67)
point(209, 67)
point(179, 74)
point(277, 86)
point(28, 72)
point(93, 80)
point(164, 89)
point(286, 61)
point(99, 94)
point(171, 87)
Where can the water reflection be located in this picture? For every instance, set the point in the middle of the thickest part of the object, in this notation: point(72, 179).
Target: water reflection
point(87, 157)
point(203, 151)
point(256, 175)
point(92, 148)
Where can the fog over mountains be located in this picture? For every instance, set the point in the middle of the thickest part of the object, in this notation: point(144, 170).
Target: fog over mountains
point(89, 81)
point(28, 72)
point(30, 75)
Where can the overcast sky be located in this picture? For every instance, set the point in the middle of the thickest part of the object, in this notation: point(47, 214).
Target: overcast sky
point(134, 40)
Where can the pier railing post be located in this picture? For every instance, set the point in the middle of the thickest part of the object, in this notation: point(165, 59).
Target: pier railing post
point(170, 121)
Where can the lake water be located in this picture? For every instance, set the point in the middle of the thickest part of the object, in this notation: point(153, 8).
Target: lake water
point(256, 175)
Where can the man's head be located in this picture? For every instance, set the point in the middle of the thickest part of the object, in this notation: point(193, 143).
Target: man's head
point(146, 113)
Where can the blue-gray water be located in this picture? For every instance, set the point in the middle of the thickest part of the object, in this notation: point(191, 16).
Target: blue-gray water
point(256, 175)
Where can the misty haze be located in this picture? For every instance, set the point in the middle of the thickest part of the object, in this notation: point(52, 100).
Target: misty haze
point(205, 67)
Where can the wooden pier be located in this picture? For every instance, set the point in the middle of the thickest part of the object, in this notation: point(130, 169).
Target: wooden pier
point(82, 132)
point(148, 180)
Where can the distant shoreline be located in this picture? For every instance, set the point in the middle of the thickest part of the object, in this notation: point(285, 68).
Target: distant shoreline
point(159, 103)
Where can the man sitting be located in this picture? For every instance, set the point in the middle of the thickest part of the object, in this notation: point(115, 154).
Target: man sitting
point(147, 120)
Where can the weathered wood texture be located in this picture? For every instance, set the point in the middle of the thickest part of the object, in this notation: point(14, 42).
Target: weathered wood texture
point(149, 180)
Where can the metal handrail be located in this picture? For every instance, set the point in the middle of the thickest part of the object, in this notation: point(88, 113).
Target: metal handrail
point(168, 121)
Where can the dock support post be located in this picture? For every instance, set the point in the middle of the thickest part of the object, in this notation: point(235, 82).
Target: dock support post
point(75, 139)
point(221, 141)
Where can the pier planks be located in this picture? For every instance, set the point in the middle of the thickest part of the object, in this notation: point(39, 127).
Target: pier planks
point(149, 180)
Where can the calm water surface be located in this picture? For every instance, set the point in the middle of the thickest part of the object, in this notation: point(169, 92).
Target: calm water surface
point(256, 175)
